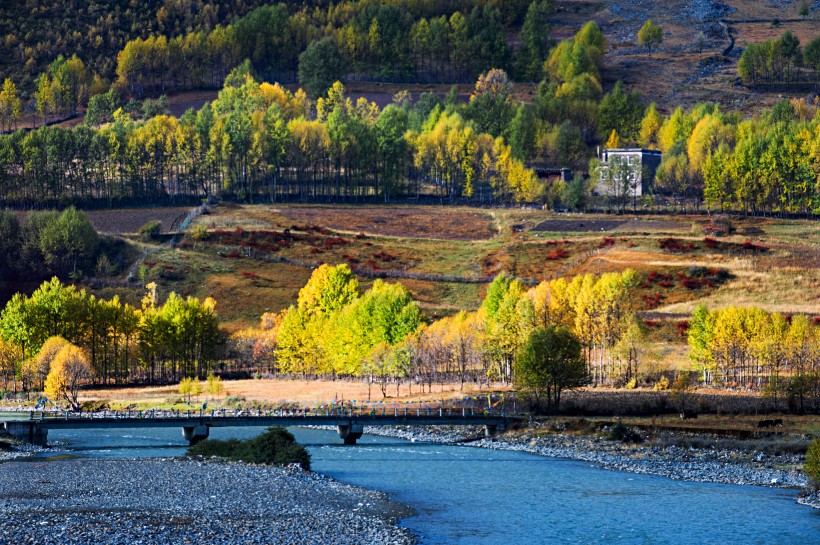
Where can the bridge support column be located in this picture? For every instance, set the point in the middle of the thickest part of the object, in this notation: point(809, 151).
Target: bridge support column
point(195, 434)
point(490, 431)
point(350, 432)
point(28, 432)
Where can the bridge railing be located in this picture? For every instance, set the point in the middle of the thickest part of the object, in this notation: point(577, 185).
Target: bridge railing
point(338, 411)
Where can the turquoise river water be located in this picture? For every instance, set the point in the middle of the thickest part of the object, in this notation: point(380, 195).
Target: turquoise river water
point(475, 496)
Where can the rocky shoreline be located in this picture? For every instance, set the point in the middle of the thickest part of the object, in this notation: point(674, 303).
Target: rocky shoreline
point(728, 466)
point(175, 501)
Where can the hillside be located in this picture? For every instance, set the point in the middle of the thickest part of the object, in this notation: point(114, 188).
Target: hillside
point(255, 259)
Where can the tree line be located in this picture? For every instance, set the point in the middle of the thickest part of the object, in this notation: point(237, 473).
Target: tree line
point(782, 61)
point(560, 334)
point(260, 141)
point(155, 343)
point(751, 348)
point(37, 32)
point(381, 336)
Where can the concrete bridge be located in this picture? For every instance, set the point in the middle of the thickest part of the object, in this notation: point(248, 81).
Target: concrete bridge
point(196, 425)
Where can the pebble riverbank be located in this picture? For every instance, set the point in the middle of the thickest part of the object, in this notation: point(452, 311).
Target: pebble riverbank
point(687, 464)
point(178, 501)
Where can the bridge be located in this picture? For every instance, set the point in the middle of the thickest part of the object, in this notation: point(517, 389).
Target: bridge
point(196, 425)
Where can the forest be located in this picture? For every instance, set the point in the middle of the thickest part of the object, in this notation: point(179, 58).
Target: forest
point(264, 141)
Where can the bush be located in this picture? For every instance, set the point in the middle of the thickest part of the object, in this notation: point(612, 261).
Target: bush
point(812, 465)
point(662, 384)
point(276, 446)
point(150, 231)
point(619, 432)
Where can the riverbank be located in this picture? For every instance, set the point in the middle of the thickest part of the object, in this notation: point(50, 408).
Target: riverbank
point(175, 501)
point(656, 457)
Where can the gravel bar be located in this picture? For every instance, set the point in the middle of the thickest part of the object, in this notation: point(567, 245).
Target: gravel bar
point(181, 501)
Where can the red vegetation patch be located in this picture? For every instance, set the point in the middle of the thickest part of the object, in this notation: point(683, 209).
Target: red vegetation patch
point(652, 300)
point(710, 243)
point(675, 245)
point(559, 253)
point(381, 255)
point(247, 274)
point(606, 242)
point(751, 247)
point(682, 327)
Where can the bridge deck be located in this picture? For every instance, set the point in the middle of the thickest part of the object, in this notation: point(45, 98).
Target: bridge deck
point(54, 423)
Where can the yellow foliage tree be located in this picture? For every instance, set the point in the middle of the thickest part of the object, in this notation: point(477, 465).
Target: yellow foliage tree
point(38, 368)
point(69, 369)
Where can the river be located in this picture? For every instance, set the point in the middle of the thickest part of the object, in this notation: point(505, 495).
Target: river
point(475, 496)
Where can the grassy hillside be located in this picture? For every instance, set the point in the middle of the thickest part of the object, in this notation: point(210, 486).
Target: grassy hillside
point(255, 258)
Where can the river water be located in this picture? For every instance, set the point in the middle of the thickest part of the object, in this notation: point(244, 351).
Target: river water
point(475, 496)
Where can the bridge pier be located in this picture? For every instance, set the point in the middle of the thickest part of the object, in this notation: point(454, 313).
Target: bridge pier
point(195, 434)
point(350, 432)
point(28, 432)
point(490, 431)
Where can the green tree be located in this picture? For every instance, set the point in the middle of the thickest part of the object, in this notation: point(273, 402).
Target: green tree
point(319, 66)
point(549, 363)
point(812, 465)
point(10, 242)
point(535, 40)
point(69, 244)
point(622, 112)
point(650, 34)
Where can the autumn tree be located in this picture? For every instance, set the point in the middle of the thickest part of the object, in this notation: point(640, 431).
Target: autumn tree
point(69, 369)
point(650, 34)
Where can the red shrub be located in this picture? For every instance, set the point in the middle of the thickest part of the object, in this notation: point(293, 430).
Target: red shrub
point(682, 327)
point(315, 251)
point(652, 300)
point(232, 254)
point(606, 242)
point(710, 243)
point(675, 245)
point(381, 255)
point(559, 253)
point(690, 283)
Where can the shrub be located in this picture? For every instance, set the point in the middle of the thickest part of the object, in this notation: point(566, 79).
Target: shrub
point(606, 242)
point(812, 464)
point(662, 384)
point(622, 433)
point(559, 253)
point(275, 446)
point(150, 231)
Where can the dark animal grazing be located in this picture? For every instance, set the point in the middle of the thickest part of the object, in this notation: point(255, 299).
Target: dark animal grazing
point(687, 415)
point(770, 423)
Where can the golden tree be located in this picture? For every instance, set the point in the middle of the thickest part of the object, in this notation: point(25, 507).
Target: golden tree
point(69, 369)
